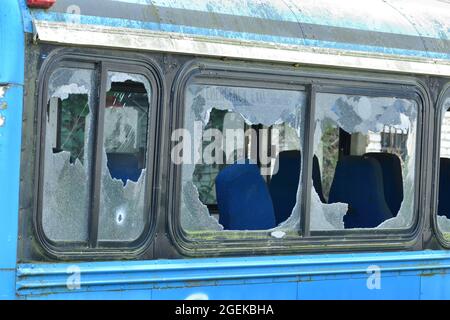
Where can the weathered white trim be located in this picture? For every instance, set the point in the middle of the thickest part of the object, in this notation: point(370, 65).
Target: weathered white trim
point(124, 38)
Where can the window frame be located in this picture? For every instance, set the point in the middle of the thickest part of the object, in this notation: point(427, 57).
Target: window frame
point(442, 98)
point(314, 80)
point(100, 65)
point(378, 92)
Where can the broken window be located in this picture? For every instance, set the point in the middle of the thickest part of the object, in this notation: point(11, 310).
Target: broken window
point(122, 212)
point(236, 147)
point(95, 157)
point(443, 208)
point(68, 154)
point(241, 156)
point(364, 149)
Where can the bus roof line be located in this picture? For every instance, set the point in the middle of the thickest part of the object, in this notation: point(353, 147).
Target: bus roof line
point(146, 40)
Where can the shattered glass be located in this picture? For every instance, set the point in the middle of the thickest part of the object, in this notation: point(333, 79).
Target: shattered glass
point(359, 116)
point(66, 81)
point(122, 214)
point(267, 107)
point(65, 212)
point(443, 224)
point(69, 151)
point(204, 174)
point(442, 220)
point(365, 115)
point(122, 195)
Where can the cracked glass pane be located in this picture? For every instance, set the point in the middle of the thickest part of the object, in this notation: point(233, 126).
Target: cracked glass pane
point(363, 173)
point(443, 209)
point(229, 149)
point(122, 195)
point(68, 150)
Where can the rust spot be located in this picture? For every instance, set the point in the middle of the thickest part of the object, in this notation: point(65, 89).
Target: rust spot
point(428, 274)
point(3, 105)
point(433, 273)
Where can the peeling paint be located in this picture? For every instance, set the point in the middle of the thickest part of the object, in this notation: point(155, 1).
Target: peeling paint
point(3, 104)
point(3, 90)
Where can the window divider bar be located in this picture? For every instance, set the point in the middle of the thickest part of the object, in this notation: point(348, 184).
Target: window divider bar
point(97, 158)
point(308, 149)
point(58, 124)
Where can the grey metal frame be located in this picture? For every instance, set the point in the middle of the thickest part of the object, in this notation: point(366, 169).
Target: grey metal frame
point(101, 65)
point(315, 81)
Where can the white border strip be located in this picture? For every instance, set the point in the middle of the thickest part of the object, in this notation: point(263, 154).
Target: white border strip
point(125, 38)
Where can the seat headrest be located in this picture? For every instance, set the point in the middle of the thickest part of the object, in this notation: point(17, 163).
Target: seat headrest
point(284, 182)
point(124, 166)
point(243, 198)
point(391, 168)
point(358, 181)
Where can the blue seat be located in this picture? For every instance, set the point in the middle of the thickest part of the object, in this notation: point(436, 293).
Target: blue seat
point(243, 198)
point(317, 179)
point(283, 185)
point(124, 166)
point(444, 188)
point(358, 181)
point(392, 179)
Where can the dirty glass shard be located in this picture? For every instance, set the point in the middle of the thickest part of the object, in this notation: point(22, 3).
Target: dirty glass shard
point(123, 215)
point(65, 198)
point(198, 217)
point(65, 211)
point(122, 208)
point(67, 81)
point(443, 224)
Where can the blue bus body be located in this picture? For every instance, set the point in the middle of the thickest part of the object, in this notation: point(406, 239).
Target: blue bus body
point(405, 275)
point(399, 33)
point(12, 79)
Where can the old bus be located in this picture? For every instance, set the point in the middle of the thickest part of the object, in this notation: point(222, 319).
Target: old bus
point(262, 149)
